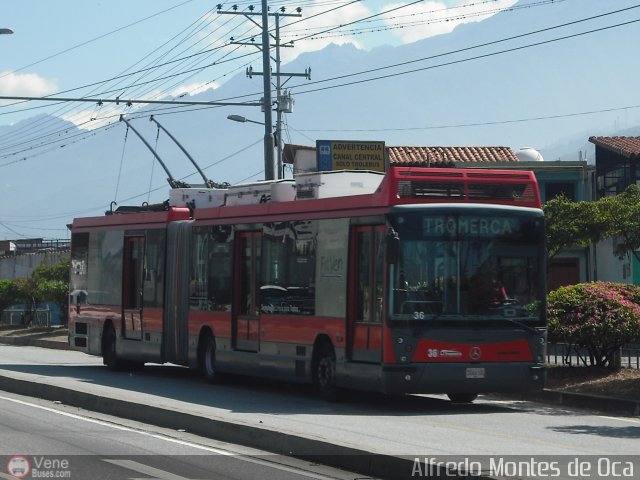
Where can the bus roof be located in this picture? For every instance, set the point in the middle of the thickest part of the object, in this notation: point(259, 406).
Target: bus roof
point(118, 220)
point(370, 193)
point(342, 192)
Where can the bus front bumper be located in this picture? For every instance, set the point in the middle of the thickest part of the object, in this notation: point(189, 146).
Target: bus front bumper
point(463, 377)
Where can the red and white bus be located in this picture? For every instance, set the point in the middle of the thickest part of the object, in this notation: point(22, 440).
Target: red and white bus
point(419, 280)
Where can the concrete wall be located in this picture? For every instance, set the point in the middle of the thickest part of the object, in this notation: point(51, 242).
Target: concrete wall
point(610, 268)
point(21, 266)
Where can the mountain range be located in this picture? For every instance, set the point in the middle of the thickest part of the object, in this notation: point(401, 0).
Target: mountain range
point(542, 93)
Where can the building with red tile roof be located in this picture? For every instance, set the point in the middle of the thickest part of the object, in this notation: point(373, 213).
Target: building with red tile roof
point(617, 163)
point(627, 147)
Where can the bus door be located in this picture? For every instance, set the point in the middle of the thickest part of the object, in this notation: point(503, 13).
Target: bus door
point(365, 304)
point(132, 287)
point(246, 310)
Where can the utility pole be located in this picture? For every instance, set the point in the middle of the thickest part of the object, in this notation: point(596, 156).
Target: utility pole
point(266, 65)
point(284, 102)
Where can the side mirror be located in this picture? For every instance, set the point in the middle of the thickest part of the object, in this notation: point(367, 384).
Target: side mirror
point(393, 246)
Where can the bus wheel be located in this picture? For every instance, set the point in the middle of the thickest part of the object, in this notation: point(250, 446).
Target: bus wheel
point(109, 355)
point(325, 374)
point(208, 359)
point(462, 397)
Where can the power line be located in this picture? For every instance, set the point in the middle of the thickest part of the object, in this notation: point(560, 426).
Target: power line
point(479, 124)
point(194, 26)
point(453, 62)
point(194, 71)
point(97, 38)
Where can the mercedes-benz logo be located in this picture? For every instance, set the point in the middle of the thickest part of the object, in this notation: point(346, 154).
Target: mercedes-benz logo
point(475, 353)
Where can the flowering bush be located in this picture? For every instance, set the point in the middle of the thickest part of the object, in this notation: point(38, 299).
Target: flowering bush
point(598, 318)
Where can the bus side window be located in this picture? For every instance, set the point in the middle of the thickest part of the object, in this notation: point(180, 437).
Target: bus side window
point(210, 271)
point(288, 274)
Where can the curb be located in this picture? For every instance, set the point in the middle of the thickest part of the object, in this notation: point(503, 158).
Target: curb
point(580, 400)
point(34, 341)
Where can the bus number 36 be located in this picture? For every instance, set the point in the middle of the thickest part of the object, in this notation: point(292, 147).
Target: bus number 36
point(418, 315)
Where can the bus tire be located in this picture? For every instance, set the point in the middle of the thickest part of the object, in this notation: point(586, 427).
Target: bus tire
point(207, 359)
point(324, 375)
point(462, 397)
point(109, 355)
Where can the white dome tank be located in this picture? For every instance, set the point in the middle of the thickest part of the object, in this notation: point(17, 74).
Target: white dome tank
point(529, 154)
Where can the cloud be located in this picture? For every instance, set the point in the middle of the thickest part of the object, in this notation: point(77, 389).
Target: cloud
point(25, 85)
point(192, 89)
point(321, 20)
point(431, 18)
point(366, 28)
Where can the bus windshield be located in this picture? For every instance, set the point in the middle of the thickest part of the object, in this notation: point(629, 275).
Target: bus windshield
point(468, 265)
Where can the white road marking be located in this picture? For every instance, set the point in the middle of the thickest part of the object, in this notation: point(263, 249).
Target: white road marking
point(218, 451)
point(155, 473)
point(119, 427)
point(620, 419)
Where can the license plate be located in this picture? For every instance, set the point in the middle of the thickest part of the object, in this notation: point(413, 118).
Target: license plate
point(474, 373)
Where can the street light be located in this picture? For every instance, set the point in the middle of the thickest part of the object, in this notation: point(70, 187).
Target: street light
point(5, 31)
point(241, 119)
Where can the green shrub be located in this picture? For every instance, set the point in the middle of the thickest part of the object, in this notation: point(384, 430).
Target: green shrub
point(8, 293)
point(598, 318)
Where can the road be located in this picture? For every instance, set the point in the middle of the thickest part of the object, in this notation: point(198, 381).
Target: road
point(420, 426)
point(72, 443)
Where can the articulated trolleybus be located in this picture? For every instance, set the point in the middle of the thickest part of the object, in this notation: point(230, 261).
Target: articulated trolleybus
point(419, 280)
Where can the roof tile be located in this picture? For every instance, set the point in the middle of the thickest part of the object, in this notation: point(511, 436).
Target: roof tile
point(442, 156)
point(429, 156)
point(628, 147)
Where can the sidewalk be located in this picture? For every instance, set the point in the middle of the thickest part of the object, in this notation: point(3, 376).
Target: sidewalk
point(45, 337)
point(57, 338)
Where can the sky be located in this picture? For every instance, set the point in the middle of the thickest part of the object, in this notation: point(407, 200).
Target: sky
point(70, 48)
point(163, 49)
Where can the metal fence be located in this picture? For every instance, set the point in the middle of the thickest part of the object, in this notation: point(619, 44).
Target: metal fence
point(17, 316)
point(565, 354)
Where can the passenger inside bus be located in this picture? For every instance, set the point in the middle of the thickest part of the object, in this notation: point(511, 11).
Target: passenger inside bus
point(486, 290)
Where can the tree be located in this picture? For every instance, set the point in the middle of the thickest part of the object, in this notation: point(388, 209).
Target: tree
point(570, 223)
point(48, 283)
point(623, 212)
point(58, 271)
point(8, 293)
